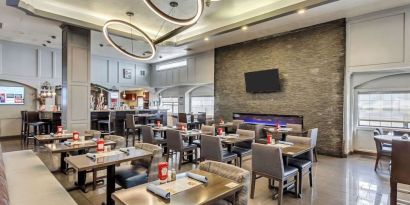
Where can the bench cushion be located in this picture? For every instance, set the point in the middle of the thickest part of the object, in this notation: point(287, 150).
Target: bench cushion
point(31, 182)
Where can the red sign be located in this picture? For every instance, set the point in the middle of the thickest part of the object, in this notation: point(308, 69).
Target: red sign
point(100, 145)
point(59, 129)
point(76, 136)
point(163, 170)
point(158, 123)
point(269, 139)
point(220, 131)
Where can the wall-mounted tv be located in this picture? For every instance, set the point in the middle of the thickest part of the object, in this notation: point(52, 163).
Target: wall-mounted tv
point(11, 95)
point(262, 81)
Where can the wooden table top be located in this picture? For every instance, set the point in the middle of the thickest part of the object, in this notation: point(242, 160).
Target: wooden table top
point(233, 140)
point(214, 190)
point(295, 150)
point(83, 163)
point(61, 147)
point(55, 137)
point(284, 130)
point(388, 138)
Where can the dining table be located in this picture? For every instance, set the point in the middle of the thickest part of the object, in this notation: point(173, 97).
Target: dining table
point(285, 132)
point(55, 137)
point(291, 150)
point(230, 140)
point(108, 161)
point(64, 149)
point(225, 126)
point(215, 189)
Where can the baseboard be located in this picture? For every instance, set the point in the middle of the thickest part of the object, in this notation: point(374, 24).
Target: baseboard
point(363, 153)
point(10, 137)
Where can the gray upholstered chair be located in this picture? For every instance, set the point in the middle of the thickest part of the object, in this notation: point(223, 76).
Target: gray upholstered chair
point(148, 136)
point(131, 127)
point(312, 134)
point(110, 124)
point(400, 169)
point(303, 162)
point(243, 149)
point(231, 172)
point(235, 125)
point(382, 151)
point(120, 141)
point(211, 149)
point(176, 145)
point(295, 127)
point(206, 130)
point(260, 133)
point(267, 162)
point(93, 133)
point(140, 171)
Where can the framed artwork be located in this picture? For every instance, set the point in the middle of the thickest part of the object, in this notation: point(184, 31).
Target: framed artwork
point(127, 73)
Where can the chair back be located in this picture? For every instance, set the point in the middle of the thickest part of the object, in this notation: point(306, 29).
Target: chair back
point(245, 134)
point(182, 118)
point(380, 130)
point(295, 127)
point(267, 159)
point(129, 121)
point(119, 140)
point(211, 148)
point(147, 134)
point(174, 140)
point(93, 133)
point(379, 144)
point(236, 123)
point(157, 157)
point(376, 132)
point(32, 116)
point(202, 118)
point(312, 134)
point(297, 140)
point(180, 124)
point(400, 161)
point(208, 130)
point(23, 116)
point(239, 175)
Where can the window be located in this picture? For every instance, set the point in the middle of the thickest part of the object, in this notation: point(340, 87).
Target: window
point(202, 104)
point(384, 109)
point(171, 104)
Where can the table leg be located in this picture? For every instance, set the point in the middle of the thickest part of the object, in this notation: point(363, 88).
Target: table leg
point(81, 178)
point(283, 136)
point(63, 164)
point(190, 156)
point(164, 135)
point(110, 184)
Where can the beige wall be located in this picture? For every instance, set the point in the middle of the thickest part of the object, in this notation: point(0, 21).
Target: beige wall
point(10, 119)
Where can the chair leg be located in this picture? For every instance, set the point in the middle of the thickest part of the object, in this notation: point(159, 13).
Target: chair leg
point(253, 185)
point(300, 178)
point(280, 194)
point(94, 179)
point(297, 179)
point(315, 152)
point(377, 162)
point(196, 155)
point(126, 137)
point(393, 192)
point(310, 177)
point(181, 157)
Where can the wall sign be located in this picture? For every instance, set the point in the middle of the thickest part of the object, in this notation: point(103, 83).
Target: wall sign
point(127, 73)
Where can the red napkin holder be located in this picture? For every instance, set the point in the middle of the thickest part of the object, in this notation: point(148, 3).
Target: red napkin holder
point(163, 171)
point(76, 136)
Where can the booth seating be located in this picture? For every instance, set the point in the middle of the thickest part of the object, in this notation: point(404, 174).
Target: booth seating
point(22, 181)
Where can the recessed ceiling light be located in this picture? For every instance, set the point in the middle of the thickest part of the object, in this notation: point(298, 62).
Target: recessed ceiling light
point(206, 39)
point(244, 28)
point(44, 45)
point(1, 25)
point(48, 41)
point(301, 11)
point(53, 37)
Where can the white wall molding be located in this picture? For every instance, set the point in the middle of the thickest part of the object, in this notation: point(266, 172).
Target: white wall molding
point(1, 58)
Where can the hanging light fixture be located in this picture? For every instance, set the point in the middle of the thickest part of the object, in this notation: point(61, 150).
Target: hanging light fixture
point(123, 51)
point(148, 55)
point(47, 91)
point(124, 95)
point(181, 22)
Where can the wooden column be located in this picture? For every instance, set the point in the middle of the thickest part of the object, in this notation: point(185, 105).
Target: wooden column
point(76, 55)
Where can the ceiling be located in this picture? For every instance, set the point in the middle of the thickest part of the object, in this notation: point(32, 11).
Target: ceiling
point(221, 22)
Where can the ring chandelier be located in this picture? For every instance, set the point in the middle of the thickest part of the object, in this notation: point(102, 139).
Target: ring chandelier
point(184, 23)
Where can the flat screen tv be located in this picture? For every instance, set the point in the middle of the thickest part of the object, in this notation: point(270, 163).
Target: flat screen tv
point(262, 81)
point(11, 95)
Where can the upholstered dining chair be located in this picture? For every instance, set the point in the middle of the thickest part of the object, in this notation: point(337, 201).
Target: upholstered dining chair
point(206, 130)
point(235, 125)
point(211, 149)
point(267, 162)
point(33, 121)
point(110, 124)
point(382, 151)
point(303, 162)
point(148, 136)
point(243, 149)
point(140, 171)
point(312, 134)
point(400, 168)
point(231, 172)
point(176, 145)
point(295, 127)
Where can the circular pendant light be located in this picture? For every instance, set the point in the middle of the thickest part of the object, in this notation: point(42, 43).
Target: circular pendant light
point(125, 52)
point(181, 22)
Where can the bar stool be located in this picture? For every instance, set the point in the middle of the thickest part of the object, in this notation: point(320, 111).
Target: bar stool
point(33, 121)
point(131, 127)
point(110, 124)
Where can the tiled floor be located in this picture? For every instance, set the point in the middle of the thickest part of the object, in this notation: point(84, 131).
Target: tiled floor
point(337, 181)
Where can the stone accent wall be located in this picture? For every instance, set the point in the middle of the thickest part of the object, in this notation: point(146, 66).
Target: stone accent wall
point(311, 64)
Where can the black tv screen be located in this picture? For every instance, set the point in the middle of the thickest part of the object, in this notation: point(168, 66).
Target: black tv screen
point(262, 81)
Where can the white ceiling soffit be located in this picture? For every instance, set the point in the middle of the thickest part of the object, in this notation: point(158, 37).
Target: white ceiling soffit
point(221, 16)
